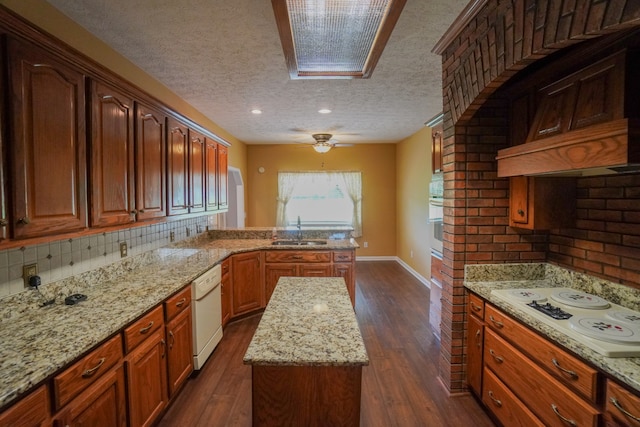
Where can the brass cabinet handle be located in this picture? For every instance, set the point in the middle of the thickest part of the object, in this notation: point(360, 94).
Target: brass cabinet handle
point(572, 374)
point(296, 257)
point(474, 307)
point(497, 402)
point(93, 370)
point(133, 212)
point(141, 211)
point(181, 302)
point(617, 404)
point(498, 324)
point(146, 328)
point(24, 220)
point(173, 340)
point(3, 222)
point(478, 340)
point(564, 419)
point(497, 358)
point(164, 347)
point(520, 212)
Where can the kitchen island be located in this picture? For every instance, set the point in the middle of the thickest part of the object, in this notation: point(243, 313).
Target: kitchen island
point(307, 356)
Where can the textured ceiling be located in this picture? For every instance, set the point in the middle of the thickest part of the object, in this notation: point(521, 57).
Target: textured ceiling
point(224, 57)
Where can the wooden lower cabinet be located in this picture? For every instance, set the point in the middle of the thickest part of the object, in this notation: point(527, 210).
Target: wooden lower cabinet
point(103, 404)
point(226, 291)
point(273, 272)
point(475, 340)
point(622, 408)
point(179, 350)
point(509, 410)
point(147, 380)
point(247, 282)
point(31, 411)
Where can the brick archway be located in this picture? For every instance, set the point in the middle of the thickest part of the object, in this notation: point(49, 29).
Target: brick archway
point(493, 41)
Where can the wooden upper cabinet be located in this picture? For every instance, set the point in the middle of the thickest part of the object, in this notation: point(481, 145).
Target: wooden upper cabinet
point(112, 156)
point(223, 177)
point(541, 203)
point(177, 168)
point(197, 150)
point(151, 158)
point(211, 175)
point(48, 143)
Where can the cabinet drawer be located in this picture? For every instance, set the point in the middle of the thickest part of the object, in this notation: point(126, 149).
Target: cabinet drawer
point(343, 256)
point(569, 370)
point(86, 371)
point(142, 328)
point(622, 406)
point(549, 400)
point(177, 303)
point(476, 306)
point(32, 410)
point(504, 404)
point(297, 256)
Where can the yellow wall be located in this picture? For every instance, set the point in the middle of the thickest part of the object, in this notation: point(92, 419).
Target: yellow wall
point(377, 162)
point(48, 18)
point(413, 174)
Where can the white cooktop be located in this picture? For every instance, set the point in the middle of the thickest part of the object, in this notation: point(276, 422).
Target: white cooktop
point(604, 327)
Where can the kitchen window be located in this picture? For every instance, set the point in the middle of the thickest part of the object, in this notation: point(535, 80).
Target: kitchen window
point(320, 199)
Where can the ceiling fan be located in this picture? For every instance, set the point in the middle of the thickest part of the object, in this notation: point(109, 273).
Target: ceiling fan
point(324, 142)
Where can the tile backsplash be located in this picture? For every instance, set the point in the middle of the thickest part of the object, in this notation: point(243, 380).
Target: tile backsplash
point(60, 259)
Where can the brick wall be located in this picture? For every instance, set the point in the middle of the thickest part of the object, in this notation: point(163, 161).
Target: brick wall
point(479, 56)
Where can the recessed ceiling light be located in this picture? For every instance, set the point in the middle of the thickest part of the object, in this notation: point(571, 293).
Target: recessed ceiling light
point(324, 111)
point(334, 38)
point(256, 111)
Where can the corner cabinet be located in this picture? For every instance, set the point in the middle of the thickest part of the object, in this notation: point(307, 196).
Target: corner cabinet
point(48, 143)
point(247, 283)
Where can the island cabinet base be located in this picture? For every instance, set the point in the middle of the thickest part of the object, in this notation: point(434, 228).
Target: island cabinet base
point(311, 396)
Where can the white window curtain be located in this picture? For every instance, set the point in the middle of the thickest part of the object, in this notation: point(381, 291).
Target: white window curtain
point(286, 185)
point(353, 184)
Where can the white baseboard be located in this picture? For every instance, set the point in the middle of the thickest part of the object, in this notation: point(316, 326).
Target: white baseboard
point(406, 266)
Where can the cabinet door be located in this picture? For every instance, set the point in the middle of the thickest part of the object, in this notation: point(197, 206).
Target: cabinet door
point(436, 149)
point(48, 149)
point(197, 150)
point(179, 350)
point(147, 380)
point(151, 171)
point(31, 411)
point(346, 271)
point(226, 292)
point(272, 273)
point(519, 201)
point(211, 175)
point(475, 338)
point(112, 162)
point(247, 282)
point(177, 168)
point(101, 405)
point(223, 177)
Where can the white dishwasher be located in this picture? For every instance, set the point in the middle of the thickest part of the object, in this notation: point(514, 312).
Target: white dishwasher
point(207, 315)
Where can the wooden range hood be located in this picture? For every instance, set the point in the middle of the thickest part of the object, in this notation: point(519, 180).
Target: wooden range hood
point(584, 124)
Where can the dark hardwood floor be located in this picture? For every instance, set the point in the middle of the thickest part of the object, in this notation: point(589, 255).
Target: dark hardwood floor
point(400, 386)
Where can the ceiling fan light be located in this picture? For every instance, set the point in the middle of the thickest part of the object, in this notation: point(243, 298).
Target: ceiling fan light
point(322, 147)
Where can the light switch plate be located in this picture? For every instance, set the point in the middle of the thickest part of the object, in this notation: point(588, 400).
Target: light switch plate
point(28, 271)
point(123, 249)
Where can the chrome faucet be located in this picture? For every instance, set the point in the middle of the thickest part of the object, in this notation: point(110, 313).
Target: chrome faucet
point(299, 230)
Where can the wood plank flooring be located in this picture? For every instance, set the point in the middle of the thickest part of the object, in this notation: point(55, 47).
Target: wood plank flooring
point(399, 387)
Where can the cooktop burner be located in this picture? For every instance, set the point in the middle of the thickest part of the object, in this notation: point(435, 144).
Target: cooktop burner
point(605, 328)
point(579, 299)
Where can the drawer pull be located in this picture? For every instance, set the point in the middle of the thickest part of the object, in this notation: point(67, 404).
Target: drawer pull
point(474, 307)
point(565, 420)
point(93, 370)
point(498, 324)
point(478, 340)
point(497, 358)
point(296, 257)
point(571, 374)
point(497, 402)
point(617, 404)
point(164, 348)
point(146, 328)
point(181, 302)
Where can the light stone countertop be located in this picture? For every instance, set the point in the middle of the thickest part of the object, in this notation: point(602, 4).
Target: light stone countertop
point(37, 342)
point(482, 279)
point(309, 321)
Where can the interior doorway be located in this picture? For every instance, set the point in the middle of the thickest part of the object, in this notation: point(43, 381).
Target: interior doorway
point(234, 218)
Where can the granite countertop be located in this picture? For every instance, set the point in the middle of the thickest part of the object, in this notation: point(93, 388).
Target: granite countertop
point(36, 342)
point(309, 321)
point(482, 279)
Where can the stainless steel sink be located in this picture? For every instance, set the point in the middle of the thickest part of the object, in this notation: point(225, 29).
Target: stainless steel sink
point(298, 242)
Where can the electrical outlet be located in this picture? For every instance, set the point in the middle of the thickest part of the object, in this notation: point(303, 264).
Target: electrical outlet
point(366, 244)
point(172, 236)
point(123, 249)
point(27, 272)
